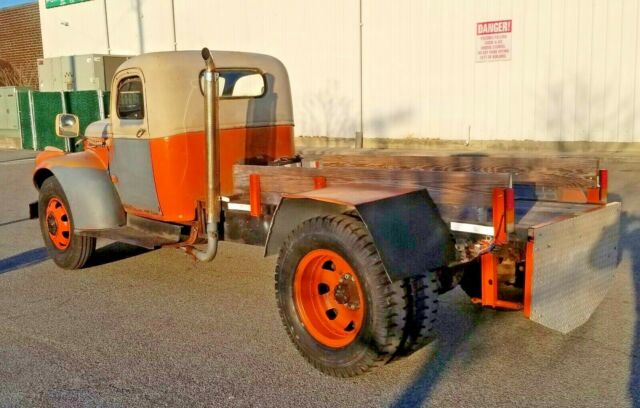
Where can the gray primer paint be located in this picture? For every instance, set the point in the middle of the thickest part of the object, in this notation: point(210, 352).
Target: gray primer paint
point(93, 200)
point(131, 164)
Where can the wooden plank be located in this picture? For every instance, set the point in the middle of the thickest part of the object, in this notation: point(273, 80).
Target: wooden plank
point(552, 172)
point(457, 188)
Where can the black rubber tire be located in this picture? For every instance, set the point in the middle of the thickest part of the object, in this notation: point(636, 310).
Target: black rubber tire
point(422, 306)
point(471, 281)
point(421, 302)
point(80, 249)
point(382, 331)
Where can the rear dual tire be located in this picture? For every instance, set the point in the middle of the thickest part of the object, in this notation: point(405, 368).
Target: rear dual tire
point(337, 304)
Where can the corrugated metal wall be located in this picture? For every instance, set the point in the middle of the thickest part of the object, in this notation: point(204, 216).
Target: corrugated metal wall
point(316, 40)
point(574, 72)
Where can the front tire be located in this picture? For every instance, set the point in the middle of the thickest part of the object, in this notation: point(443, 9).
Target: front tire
point(67, 249)
point(335, 299)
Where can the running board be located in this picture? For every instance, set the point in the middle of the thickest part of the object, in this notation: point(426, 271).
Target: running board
point(141, 232)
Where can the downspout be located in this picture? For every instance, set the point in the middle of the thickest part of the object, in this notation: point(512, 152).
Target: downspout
point(212, 137)
point(173, 20)
point(106, 26)
point(360, 131)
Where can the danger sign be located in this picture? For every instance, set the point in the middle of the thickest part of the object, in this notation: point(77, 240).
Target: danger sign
point(493, 41)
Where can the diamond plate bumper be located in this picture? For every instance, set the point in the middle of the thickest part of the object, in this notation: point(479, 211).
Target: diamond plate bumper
point(574, 261)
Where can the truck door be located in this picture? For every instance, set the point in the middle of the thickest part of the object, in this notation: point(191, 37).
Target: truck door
point(130, 161)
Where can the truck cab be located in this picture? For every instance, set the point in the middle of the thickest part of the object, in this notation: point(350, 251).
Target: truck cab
point(152, 145)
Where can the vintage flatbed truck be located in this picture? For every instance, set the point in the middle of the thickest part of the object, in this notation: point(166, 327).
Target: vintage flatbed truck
point(365, 244)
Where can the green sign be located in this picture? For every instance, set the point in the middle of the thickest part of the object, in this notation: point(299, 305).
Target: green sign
point(58, 3)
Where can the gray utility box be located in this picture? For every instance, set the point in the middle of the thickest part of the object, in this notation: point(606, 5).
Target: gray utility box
point(10, 136)
point(90, 72)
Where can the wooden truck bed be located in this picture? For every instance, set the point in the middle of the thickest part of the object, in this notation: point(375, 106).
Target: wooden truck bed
point(461, 186)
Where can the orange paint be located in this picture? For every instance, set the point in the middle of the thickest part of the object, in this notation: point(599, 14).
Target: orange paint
point(331, 320)
point(593, 195)
point(490, 284)
point(489, 280)
point(510, 210)
point(319, 182)
point(50, 159)
point(255, 199)
point(572, 195)
point(44, 156)
point(499, 227)
point(101, 151)
point(528, 278)
point(179, 164)
point(59, 224)
point(603, 177)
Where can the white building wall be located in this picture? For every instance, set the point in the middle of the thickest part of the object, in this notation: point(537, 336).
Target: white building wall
point(574, 72)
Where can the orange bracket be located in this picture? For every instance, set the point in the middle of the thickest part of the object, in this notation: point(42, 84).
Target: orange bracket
point(499, 231)
point(603, 177)
point(600, 193)
point(528, 278)
point(319, 182)
point(255, 199)
point(504, 214)
point(490, 286)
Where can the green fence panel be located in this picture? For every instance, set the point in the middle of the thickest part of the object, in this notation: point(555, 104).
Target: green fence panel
point(84, 104)
point(25, 120)
point(105, 102)
point(46, 105)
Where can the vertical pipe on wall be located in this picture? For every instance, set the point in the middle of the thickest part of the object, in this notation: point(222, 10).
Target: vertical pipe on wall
point(106, 26)
point(360, 131)
point(173, 20)
point(34, 132)
point(63, 102)
point(100, 96)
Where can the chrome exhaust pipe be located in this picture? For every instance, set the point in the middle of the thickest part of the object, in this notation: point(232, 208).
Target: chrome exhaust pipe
point(212, 137)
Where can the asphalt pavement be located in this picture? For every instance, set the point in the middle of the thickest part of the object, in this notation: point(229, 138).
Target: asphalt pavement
point(153, 328)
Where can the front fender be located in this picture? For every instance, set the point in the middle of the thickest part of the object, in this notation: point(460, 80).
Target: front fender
point(93, 199)
point(404, 223)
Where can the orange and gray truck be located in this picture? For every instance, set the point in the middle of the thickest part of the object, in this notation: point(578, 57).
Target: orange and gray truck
point(199, 148)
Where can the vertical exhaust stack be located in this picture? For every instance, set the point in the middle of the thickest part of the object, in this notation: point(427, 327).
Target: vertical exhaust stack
point(212, 137)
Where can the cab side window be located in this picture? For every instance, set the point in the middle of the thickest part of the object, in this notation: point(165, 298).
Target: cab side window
point(130, 98)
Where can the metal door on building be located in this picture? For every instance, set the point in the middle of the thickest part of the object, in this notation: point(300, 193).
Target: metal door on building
point(9, 118)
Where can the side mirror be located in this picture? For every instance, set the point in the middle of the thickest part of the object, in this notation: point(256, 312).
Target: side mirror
point(67, 125)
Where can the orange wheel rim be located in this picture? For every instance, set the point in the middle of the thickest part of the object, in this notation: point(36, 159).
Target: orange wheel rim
point(58, 224)
point(328, 298)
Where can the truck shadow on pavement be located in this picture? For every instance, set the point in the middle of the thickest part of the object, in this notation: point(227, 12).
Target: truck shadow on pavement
point(456, 322)
point(630, 242)
point(107, 254)
point(114, 252)
point(23, 259)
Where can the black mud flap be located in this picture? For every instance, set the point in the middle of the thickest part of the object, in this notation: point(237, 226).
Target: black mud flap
point(33, 210)
point(409, 233)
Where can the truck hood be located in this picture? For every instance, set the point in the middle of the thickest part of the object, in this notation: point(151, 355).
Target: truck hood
point(99, 129)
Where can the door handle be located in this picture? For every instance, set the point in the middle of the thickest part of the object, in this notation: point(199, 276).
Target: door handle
point(140, 133)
